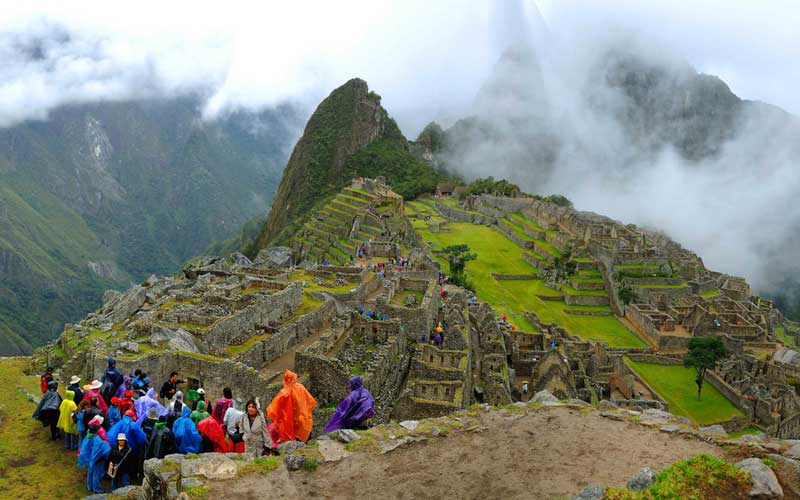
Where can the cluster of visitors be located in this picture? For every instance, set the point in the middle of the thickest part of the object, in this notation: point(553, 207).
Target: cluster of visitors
point(369, 313)
point(114, 427)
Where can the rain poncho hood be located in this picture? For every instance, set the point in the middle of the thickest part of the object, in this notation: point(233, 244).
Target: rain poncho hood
point(135, 435)
point(199, 413)
point(354, 409)
point(93, 450)
point(124, 386)
point(101, 403)
point(113, 415)
point(291, 409)
point(146, 402)
point(65, 414)
point(220, 407)
point(187, 437)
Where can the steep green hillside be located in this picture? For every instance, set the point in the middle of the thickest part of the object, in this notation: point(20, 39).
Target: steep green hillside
point(102, 195)
point(349, 134)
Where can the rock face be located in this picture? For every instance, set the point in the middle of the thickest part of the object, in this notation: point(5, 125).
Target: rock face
point(348, 119)
point(179, 340)
point(123, 306)
point(275, 256)
point(765, 484)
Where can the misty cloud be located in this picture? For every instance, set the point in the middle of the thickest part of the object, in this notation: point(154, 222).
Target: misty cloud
point(625, 127)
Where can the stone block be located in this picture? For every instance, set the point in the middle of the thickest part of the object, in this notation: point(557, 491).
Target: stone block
point(642, 479)
point(210, 466)
point(290, 446)
point(592, 492)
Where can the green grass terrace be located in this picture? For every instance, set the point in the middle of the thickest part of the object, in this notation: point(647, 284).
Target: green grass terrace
point(675, 383)
point(497, 254)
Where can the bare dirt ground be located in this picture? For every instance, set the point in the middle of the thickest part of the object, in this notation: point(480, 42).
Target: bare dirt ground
point(548, 454)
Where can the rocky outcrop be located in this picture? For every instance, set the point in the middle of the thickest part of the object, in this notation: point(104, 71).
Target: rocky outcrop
point(123, 306)
point(179, 340)
point(765, 484)
point(347, 120)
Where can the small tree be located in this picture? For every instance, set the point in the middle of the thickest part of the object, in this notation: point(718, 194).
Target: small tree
point(704, 352)
point(458, 256)
point(626, 294)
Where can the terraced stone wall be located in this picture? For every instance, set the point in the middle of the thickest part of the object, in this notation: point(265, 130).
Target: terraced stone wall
point(266, 310)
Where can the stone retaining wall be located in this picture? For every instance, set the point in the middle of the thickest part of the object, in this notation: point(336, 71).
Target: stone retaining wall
point(458, 215)
point(580, 312)
point(266, 351)
point(656, 359)
point(730, 393)
point(585, 300)
point(266, 310)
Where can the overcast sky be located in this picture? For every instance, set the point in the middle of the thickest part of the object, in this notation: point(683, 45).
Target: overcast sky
point(427, 58)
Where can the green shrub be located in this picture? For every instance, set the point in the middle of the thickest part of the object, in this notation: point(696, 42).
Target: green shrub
point(703, 478)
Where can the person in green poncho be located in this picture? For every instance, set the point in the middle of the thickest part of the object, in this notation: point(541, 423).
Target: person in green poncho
point(199, 413)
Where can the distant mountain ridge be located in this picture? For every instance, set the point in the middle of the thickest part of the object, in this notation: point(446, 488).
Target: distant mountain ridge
point(100, 195)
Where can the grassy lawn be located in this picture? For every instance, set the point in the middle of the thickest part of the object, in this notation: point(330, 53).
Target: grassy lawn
point(676, 385)
point(520, 219)
point(711, 293)
point(32, 466)
point(399, 299)
point(498, 254)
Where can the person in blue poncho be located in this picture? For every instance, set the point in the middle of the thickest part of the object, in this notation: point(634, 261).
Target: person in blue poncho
point(185, 433)
point(354, 410)
point(94, 456)
point(136, 437)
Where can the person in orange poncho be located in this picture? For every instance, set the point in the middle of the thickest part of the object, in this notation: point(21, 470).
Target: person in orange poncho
point(291, 409)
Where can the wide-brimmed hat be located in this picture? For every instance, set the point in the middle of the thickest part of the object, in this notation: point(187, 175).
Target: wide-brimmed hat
point(122, 437)
point(201, 391)
point(96, 384)
point(75, 379)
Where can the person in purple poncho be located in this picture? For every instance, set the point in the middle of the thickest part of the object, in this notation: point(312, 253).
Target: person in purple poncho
point(354, 410)
point(144, 403)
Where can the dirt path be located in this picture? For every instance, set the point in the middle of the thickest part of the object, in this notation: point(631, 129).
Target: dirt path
point(274, 370)
point(542, 455)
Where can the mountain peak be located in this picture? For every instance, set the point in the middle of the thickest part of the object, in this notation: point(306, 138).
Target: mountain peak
point(347, 120)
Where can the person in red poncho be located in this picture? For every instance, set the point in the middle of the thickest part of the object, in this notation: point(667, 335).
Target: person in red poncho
point(291, 410)
point(213, 436)
point(126, 404)
point(93, 391)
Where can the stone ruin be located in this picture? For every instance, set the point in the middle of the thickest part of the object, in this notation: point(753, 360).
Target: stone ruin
point(232, 322)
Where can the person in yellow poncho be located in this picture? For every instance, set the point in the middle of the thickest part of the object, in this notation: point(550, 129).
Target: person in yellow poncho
point(291, 409)
point(66, 422)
